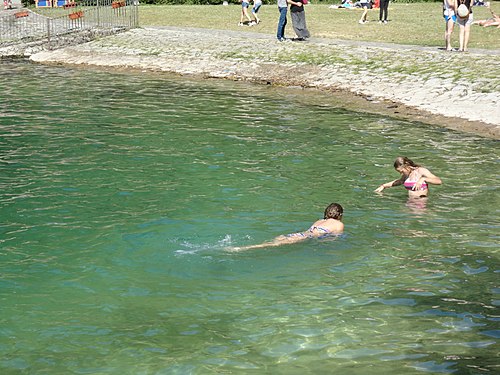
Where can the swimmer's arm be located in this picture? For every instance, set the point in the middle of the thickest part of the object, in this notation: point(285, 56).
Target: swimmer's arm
point(249, 247)
point(491, 11)
point(427, 177)
point(278, 241)
point(397, 182)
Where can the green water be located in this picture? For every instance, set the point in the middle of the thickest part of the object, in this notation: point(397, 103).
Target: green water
point(120, 192)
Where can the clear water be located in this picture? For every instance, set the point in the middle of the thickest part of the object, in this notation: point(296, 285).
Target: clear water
point(120, 191)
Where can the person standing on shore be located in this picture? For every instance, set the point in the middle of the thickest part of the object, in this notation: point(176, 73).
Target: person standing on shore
point(299, 19)
point(283, 9)
point(464, 20)
point(449, 9)
point(384, 6)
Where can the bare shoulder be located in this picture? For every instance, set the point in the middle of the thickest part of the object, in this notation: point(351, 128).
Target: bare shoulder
point(319, 223)
point(334, 226)
point(339, 227)
point(424, 171)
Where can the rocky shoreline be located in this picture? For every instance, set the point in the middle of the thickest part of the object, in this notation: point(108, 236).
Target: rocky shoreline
point(416, 83)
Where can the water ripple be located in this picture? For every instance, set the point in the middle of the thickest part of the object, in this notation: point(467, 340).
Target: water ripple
point(119, 193)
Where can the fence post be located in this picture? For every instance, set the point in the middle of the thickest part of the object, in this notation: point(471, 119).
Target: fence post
point(136, 15)
point(48, 33)
point(71, 21)
point(98, 15)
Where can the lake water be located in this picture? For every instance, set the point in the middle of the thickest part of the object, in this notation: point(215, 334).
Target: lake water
point(119, 193)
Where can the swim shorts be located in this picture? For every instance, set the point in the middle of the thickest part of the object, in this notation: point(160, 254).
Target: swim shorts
point(447, 18)
point(465, 21)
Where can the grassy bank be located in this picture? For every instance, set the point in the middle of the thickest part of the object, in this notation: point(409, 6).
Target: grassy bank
point(415, 24)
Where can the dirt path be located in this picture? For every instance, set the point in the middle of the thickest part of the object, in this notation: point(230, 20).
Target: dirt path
point(456, 90)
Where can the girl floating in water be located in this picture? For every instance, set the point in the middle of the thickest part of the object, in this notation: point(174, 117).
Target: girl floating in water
point(413, 177)
point(330, 224)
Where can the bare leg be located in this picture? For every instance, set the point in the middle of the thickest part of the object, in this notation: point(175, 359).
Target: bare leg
point(256, 18)
point(461, 37)
point(245, 13)
point(363, 16)
point(447, 33)
point(466, 36)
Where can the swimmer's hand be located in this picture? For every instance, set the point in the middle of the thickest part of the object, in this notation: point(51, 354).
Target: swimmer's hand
point(379, 189)
point(233, 248)
point(418, 185)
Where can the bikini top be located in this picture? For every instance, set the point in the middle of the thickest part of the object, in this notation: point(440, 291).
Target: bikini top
point(410, 184)
point(309, 233)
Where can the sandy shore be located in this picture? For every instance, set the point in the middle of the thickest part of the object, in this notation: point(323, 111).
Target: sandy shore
point(457, 90)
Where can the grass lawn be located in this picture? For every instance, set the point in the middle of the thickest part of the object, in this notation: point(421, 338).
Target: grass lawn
point(416, 24)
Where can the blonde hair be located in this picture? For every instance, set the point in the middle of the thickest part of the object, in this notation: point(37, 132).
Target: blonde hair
point(403, 161)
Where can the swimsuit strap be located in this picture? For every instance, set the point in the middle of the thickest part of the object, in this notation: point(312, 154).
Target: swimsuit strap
point(319, 229)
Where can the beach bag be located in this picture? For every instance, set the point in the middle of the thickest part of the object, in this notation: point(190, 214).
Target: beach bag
point(462, 10)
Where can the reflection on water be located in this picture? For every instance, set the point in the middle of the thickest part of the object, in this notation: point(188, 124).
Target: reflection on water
point(417, 205)
point(119, 192)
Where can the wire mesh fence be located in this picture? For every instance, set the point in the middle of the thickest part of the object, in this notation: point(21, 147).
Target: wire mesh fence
point(69, 18)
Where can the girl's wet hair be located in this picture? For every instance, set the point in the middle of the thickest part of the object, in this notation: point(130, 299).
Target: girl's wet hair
point(403, 161)
point(334, 211)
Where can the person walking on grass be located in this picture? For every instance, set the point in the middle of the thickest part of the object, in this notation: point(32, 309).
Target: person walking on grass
point(364, 4)
point(255, 9)
point(244, 13)
point(384, 6)
point(283, 9)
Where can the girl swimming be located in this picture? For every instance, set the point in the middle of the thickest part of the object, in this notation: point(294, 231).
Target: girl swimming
point(331, 224)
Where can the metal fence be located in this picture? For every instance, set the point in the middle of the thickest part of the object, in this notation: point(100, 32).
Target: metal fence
point(50, 24)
